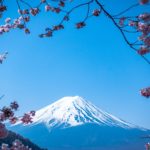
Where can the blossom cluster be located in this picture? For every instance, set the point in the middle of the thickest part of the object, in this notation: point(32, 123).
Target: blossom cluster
point(25, 17)
point(78, 25)
point(8, 113)
point(141, 25)
point(27, 117)
point(147, 146)
point(3, 8)
point(18, 23)
point(145, 92)
point(142, 2)
point(3, 131)
point(16, 145)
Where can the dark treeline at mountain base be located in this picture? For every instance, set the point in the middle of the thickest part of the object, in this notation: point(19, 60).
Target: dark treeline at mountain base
point(13, 136)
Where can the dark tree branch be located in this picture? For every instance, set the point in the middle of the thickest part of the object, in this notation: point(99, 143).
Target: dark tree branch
point(121, 31)
point(87, 14)
point(76, 7)
point(24, 2)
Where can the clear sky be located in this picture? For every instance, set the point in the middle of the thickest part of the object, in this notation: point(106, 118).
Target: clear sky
point(94, 63)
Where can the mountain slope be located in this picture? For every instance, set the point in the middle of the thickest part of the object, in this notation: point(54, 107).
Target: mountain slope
point(72, 123)
point(73, 111)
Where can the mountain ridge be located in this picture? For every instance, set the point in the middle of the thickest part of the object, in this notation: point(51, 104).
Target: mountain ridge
point(73, 111)
point(73, 123)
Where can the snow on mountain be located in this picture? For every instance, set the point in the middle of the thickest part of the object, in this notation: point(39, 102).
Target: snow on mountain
point(74, 111)
point(73, 123)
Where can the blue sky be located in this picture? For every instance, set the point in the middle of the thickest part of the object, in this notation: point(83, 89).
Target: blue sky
point(94, 63)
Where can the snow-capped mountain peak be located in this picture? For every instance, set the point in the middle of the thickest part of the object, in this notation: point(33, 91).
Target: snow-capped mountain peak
point(73, 111)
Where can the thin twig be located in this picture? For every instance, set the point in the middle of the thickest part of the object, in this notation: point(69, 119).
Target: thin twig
point(26, 3)
point(124, 11)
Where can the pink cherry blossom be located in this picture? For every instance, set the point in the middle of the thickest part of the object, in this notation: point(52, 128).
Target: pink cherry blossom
point(142, 2)
point(143, 50)
point(32, 113)
point(61, 3)
point(43, 1)
point(3, 8)
point(7, 112)
point(133, 23)
point(47, 7)
point(20, 11)
point(13, 120)
point(143, 27)
point(34, 11)
point(3, 131)
point(145, 17)
point(145, 92)
point(27, 31)
point(56, 9)
point(80, 25)
point(58, 27)
point(14, 105)
point(122, 20)
point(26, 119)
point(147, 41)
point(7, 20)
point(96, 12)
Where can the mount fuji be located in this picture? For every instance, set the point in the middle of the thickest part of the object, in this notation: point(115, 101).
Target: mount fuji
point(73, 123)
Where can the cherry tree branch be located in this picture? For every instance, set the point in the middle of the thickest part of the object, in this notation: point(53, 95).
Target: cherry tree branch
point(126, 10)
point(121, 31)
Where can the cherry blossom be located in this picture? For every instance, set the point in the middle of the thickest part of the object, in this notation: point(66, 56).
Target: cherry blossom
point(16, 145)
point(5, 147)
point(122, 20)
point(61, 3)
point(58, 27)
point(56, 10)
point(147, 146)
point(8, 113)
point(138, 25)
point(20, 11)
point(26, 19)
point(143, 50)
point(13, 120)
point(27, 31)
point(66, 18)
point(43, 1)
point(3, 8)
point(3, 131)
point(47, 8)
point(80, 25)
point(145, 92)
point(133, 23)
point(32, 113)
point(147, 41)
point(145, 17)
point(34, 11)
point(96, 12)
point(144, 2)
point(14, 105)
point(26, 119)
point(7, 20)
